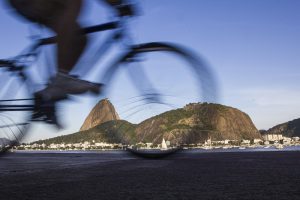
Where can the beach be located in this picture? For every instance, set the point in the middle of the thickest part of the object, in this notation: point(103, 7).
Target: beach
point(118, 175)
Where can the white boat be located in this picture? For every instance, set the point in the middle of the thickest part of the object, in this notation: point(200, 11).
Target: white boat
point(164, 145)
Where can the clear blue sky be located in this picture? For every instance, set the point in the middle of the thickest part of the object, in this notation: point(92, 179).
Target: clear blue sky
point(253, 46)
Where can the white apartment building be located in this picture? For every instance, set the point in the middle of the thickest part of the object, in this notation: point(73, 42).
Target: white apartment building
point(53, 146)
point(286, 140)
point(257, 141)
point(245, 142)
point(77, 145)
point(273, 137)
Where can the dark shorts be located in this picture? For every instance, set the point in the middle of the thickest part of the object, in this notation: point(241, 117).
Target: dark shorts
point(40, 11)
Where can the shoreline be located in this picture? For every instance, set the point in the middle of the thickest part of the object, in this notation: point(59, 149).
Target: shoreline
point(199, 150)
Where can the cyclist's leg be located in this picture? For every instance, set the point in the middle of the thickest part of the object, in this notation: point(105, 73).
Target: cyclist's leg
point(70, 40)
point(70, 45)
point(38, 11)
point(61, 17)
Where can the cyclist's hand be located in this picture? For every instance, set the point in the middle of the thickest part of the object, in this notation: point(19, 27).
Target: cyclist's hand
point(125, 10)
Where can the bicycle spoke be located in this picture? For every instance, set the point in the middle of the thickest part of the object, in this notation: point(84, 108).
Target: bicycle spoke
point(11, 109)
point(6, 86)
point(8, 100)
point(13, 125)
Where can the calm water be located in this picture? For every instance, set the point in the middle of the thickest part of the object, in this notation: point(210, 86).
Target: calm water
point(32, 161)
point(244, 174)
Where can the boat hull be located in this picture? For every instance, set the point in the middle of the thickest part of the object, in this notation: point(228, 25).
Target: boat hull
point(153, 154)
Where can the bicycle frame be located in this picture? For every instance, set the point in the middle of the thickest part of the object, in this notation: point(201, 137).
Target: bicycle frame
point(33, 51)
point(44, 111)
point(118, 33)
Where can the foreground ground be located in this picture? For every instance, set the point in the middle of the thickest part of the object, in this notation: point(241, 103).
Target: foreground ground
point(117, 175)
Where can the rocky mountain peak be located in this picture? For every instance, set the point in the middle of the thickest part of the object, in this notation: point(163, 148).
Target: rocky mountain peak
point(196, 122)
point(192, 124)
point(102, 112)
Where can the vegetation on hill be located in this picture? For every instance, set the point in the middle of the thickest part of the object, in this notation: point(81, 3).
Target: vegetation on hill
point(197, 122)
point(118, 131)
point(288, 129)
point(193, 123)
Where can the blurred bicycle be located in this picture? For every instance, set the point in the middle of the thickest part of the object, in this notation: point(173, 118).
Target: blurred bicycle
point(149, 66)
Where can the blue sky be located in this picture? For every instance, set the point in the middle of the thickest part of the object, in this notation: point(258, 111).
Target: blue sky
point(253, 46)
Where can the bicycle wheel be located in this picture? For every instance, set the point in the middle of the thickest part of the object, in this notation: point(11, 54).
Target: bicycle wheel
point(15, 109)
point(167, 82)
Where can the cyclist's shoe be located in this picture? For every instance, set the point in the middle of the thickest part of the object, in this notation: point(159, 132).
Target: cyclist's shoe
point(45, 112)
point(64, 84)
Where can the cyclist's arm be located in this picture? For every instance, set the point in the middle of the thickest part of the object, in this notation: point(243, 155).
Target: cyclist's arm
point(122, 6)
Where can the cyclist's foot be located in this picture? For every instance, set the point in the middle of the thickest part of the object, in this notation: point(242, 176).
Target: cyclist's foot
point(64, 84)
point(45, 112)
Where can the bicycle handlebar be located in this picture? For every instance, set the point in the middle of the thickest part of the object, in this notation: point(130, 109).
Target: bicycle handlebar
point(11, 66)
point(4, 63)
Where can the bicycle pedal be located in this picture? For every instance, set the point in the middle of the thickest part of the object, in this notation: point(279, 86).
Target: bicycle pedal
point(55, 123)
point(97, 89)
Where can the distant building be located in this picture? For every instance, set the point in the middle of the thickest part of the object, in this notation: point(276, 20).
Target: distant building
point(273, 137)
point(208, 142)
point(149, 145)
point(77, 145)
point(35, 145)
point(295, 139)
point(257, 141)
point(168, 143)
point(217, 142)
point(86, 145)
point(266, 142)
point(245, 142)
point(53, 146)
point(286, 140)
point(69, 145)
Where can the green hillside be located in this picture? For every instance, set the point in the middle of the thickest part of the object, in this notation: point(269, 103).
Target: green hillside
point(119, 131)
point(193, 123)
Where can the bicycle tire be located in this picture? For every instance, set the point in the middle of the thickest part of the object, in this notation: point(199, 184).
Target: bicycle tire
point(15, 110)
point(207, 87)
point(207, 78)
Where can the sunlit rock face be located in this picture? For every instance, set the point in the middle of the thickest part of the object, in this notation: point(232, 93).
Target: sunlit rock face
point(192, 124)
point(102, 112)
point(197, 122)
